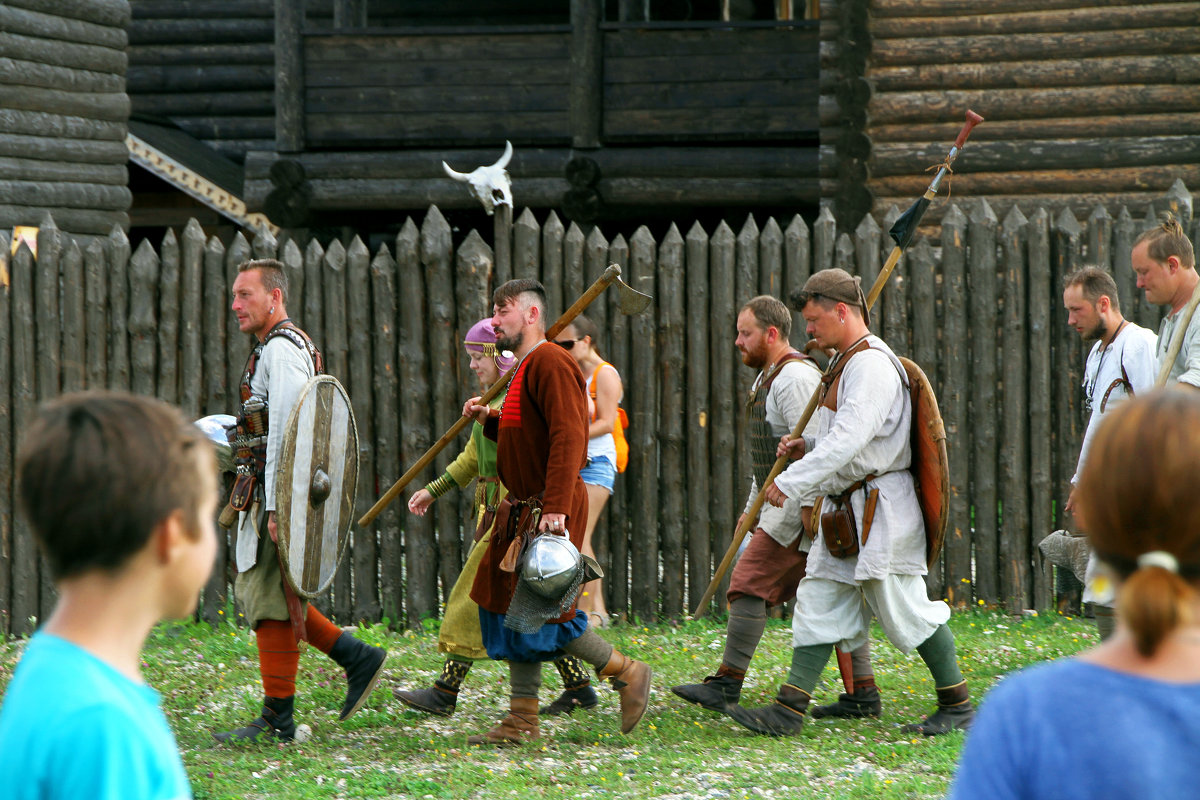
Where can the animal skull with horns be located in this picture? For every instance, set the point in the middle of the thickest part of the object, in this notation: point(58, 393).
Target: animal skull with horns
point(491, 184)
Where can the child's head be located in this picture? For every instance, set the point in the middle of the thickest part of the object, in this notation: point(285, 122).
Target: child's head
point(100, 474)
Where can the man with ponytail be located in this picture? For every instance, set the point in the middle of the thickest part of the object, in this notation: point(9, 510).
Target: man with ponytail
point(1122, 719)
point(1165, 264)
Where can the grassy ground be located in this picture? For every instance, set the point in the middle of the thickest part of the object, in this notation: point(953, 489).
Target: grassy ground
point(209, 681)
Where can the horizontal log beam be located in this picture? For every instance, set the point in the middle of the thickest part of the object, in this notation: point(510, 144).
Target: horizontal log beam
point(219, 129)
point(209, 9)
point(1030, 46)
point(1055, 128)
point(43, 25)
point(1114, 179)
point(112, 107)
point(426, 48)
point(50, 148)
point(29, 169)
point(236, 28)
point(1049, 154)
point(205, 104)
point(1101, 71)
point(40, 123)
point(1076, 20)
point(196, 78)
point(17, 72)
point(63, 194)
point(929, 8)
point(216, 54)
point(72, 220)
point(937, 106)
point(114, 13)
point(1080, 204)
point(64, 54)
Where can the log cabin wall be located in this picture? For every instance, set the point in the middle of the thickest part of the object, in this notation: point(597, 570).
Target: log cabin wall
point(63, 114)
point(1087, 103)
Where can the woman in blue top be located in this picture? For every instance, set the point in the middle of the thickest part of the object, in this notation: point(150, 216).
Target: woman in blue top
point(1122, 719)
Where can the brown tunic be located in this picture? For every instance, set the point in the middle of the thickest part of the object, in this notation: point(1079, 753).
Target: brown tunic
point(542, 436)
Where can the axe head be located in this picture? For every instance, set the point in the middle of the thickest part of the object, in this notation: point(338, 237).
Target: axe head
point(630, 300)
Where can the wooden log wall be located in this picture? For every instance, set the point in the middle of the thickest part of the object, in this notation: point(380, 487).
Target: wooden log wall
point(63, 114)
point(1087, 102)
point(979, 309)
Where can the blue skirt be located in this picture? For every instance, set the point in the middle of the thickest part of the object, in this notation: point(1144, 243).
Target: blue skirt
point(546, 645)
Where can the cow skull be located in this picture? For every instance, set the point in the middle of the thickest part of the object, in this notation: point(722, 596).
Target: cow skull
point(491, 185)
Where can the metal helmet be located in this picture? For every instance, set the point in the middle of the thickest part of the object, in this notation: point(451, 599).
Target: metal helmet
point(551, 566)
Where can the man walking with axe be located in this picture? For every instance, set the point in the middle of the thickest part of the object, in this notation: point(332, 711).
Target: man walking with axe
point(527, 609)
point(773, 562)
point(869, 555)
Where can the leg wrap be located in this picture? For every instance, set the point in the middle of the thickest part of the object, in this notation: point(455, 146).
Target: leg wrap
point(747, 621)
point(590, 649)
point(454, 672)
point(322, 634)
point(807, 663)
point(864, 673)
point(573, 672)
point(525, 678)
point(278, 657)
point(938, 654)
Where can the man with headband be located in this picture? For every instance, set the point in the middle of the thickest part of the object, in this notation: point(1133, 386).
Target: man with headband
point(868, 555)
point(459, 637)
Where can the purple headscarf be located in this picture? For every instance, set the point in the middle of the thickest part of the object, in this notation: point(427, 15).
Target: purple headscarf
point(482, 337)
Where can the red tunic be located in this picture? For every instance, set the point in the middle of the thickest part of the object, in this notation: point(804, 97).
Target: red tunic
point(542, 436)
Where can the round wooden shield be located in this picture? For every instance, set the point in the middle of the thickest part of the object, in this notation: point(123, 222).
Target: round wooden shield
point(315, 484)
point(930, 466)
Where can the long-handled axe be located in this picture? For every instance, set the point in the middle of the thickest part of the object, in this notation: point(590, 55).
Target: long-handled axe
point(902, 233)
point(629, 301)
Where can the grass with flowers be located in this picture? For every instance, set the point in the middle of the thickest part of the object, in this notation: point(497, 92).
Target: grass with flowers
point(209, 681)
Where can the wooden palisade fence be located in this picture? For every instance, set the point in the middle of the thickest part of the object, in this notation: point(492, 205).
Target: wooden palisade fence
point(980, 311)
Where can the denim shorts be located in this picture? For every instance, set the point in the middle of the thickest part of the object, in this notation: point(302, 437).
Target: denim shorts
point(599, 472)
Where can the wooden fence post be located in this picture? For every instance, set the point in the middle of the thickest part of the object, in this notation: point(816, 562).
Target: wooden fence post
point(237, 344)
point(797, 255)
point(1065, 245)
point(1016, 533)
point(1041, 399)
point(552, 263)
point(612, 534)
point(770, 260)
point(672, 384)
point(73, 377)
point(361, 390)
point(336, 349)
point(894, 316)
point(143, 343)
point(7, 442)
point(644, 456)
point(118, 310)
point(191, 319)
point(702, 528)
point(1123, 235)
point(724, 485)
point(168, 319)
point(955, 399)
point(24, 565)
point(745, 287)
point(387, 432)
point(981, 284)
point(213, 358)
point(96, 315)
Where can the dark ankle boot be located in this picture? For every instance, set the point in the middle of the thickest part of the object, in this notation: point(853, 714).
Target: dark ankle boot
point(520, 726)
point(577, 688)
point(716, 692)
point(363, 664)
point(784, 717)
point(954, 712)
point(631, 680)
point(443, 697)
point(864, 702)
point(275, 723)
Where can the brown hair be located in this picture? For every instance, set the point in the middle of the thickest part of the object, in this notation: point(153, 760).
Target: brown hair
point(1094, 283)
point(98, 471)
point(1168, 239)
point(584, 326)
point(1136, 496)
point(271, 272)
point(512, 290)
point(770, 312)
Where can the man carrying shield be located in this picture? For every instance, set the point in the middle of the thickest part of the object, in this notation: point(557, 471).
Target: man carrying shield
point(869, 554)
point(280, 365)
point(530, 574)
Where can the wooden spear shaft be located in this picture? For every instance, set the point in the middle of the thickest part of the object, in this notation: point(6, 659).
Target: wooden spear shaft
point(781, 463)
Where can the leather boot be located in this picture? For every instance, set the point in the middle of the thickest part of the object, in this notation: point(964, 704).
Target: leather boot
point(275, 723)
point(520, 726)
point(631, 680)
point(784, 717)
point(363, 664)
point(716, 692)
point(437, 700)
point(954, 712)
point(864, 702)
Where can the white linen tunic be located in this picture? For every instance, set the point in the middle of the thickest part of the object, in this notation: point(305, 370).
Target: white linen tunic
point(1186, 368)
point(868, 434)
point(282, 371)
point(786, 400)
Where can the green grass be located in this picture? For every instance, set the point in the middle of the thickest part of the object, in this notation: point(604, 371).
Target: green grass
point(209, 681)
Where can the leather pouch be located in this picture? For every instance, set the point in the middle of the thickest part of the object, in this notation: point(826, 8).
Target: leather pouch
point(243, 490)
point(838, 528)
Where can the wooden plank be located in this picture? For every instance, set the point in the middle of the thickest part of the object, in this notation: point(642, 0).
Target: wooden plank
point(169, 308)
point(642, 387)
point(868, 258)
point(21, 72)
point(7, 443)
point(713, 43)
point(365, 555)
point(237, 28)
point(394, 48)
point(118, 310)
point(62, 54)
point(437, 98)
point(1042, 422)
point(74, 325)
point(199, 78)
point(922, 286)
point(745, 286)
point(312, 314)
point(226, 103)
point(336, 349)
point(237, 344)
point(1032, 46)
point(64, 150)
point(552, 262)
point(801, 68)
point(377, 128)
point(703, 528)
point(1123, 234)
point(903, 8)
point(527, 254)
point(144, 271)
point(47, 285)
point(209, 9)
point(1066, 244)
point(586, 70)
point(47, 194)
point(24, 555)
point(95, 317)
point(216, 300)
point(451, 75)
point(1106, 69)
point(797, 252)
point(416, 424)
point(445, 395)
point(770, 259)
point(615, 534)
point(672, 385)
point(1116, 178)
point(678, 94)
point(60, 28)
point(144, 56)
point(955, 400)
point(1016, 535)
point(981, 285)
point(1052, 21)
point(113, 13)
point(724, 485)
point(749, 123)
point(387, 432)
point(191, 318)
point(32, 170)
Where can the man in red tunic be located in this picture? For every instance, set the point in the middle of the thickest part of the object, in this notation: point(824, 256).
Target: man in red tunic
point(541, 432)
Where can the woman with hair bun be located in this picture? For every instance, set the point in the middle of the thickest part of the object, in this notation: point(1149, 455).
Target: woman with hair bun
point(1122, 719)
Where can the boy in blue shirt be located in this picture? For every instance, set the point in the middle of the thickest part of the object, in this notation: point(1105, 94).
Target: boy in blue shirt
point(120, 493)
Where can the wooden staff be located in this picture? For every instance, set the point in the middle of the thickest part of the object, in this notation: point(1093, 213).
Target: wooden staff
point(902, 232)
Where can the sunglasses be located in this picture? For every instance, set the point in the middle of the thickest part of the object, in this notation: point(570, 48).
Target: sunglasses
point(566, 344)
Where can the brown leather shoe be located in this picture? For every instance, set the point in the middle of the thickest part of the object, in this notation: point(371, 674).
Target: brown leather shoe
point(631, 680)
point(519, 727)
